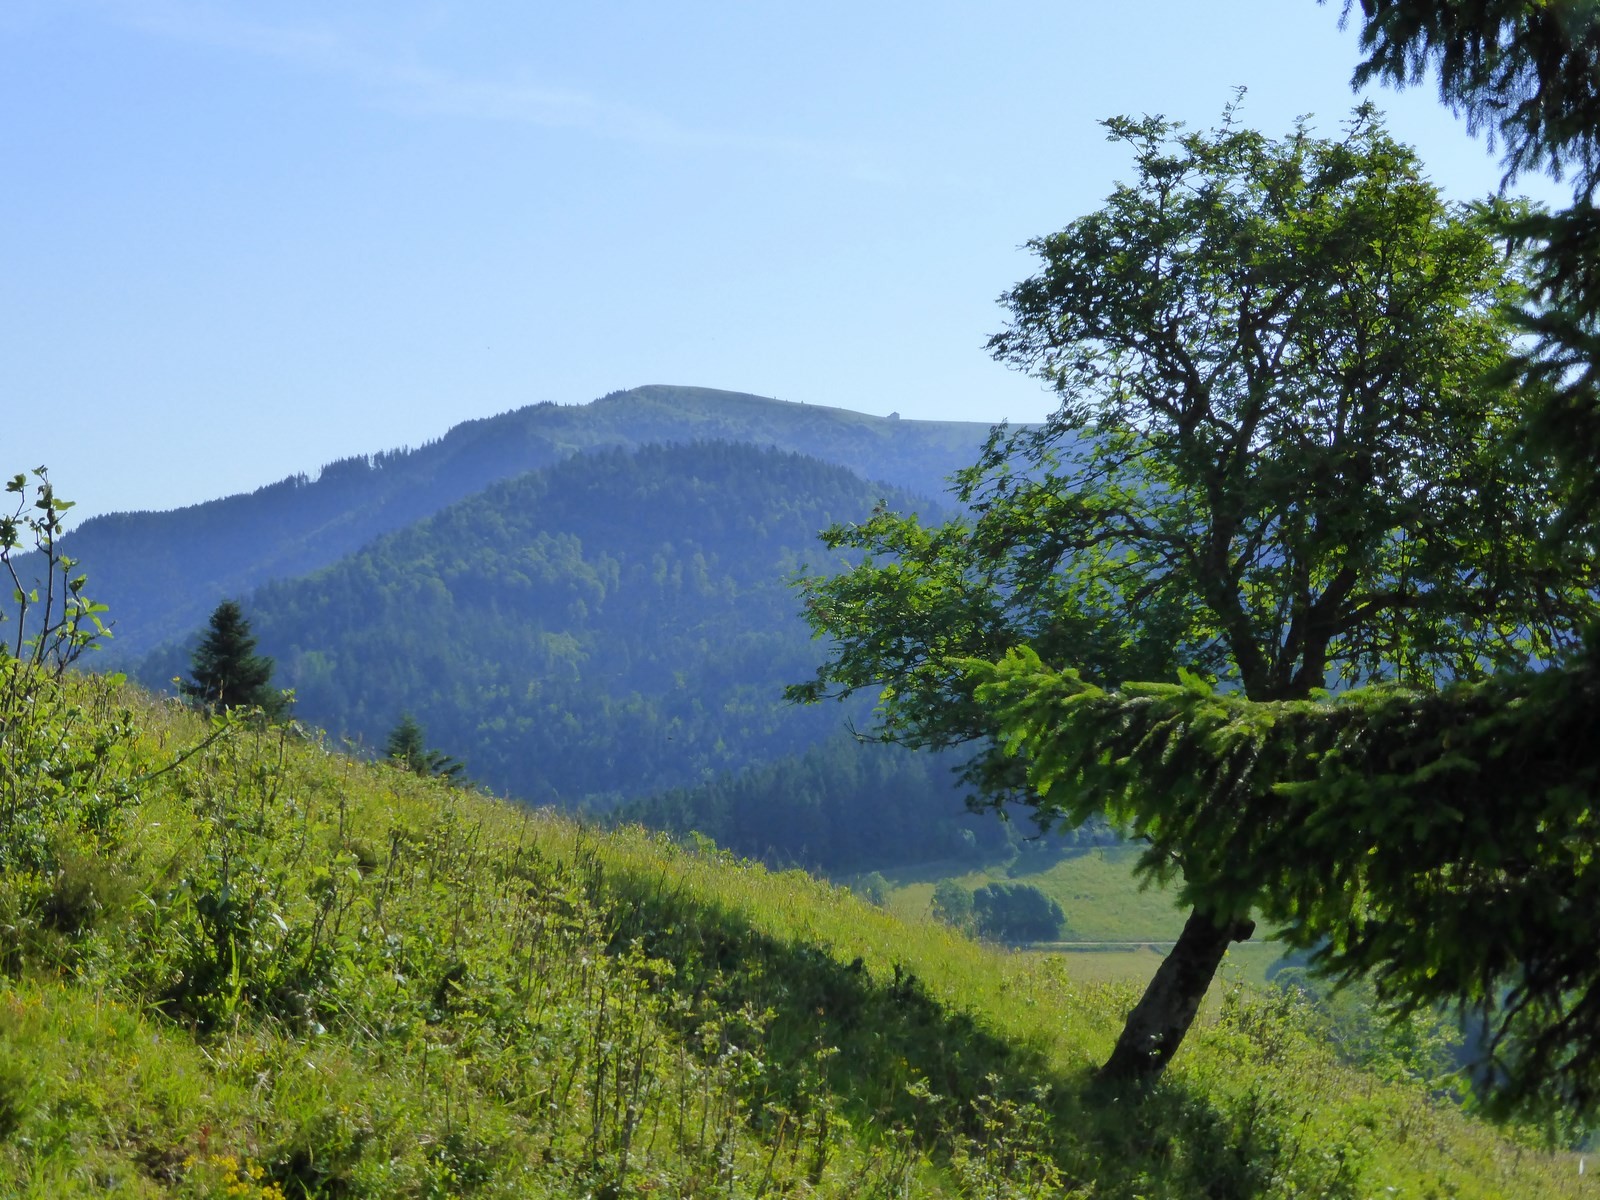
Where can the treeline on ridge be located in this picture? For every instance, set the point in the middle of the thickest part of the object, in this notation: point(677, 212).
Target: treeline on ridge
point(162, 572)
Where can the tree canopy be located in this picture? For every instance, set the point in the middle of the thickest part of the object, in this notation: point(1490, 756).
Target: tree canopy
point(1527, 74)
point(1442, 844)
point(1522, 71)
point(1281, 462)
point(1016, 912)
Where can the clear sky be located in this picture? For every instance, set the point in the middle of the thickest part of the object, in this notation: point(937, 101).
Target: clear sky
point(239, 240)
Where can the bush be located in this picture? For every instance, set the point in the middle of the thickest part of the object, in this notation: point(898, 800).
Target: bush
point(1016, 912)
point(873, 888)
point(58, 737)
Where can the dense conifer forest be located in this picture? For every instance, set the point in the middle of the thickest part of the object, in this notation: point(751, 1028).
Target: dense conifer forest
point(845, 807)
point(616, 624)
point(163, 572)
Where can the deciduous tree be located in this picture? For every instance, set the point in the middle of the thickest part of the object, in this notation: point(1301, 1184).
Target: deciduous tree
point(1280, 463)
point(1016, 912)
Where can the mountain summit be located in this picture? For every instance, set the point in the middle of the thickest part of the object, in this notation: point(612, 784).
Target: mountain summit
point(162, 572)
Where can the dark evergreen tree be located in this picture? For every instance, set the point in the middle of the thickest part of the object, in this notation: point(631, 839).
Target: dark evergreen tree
point(407, 748)
point(405, 745)
point(227, 672)
point(1526, 73)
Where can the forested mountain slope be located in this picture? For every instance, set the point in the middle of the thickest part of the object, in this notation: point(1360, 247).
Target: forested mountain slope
point(840, 807)
point(847, 806)
point(615, 624)
point(162, 572)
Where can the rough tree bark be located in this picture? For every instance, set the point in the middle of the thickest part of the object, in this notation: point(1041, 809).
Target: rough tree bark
point(1155, 1028)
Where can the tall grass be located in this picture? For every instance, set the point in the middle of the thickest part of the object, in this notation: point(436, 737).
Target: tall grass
point(239, 963)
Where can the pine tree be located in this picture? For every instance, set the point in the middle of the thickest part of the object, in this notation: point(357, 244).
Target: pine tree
point(226, 670)
point(406, 748)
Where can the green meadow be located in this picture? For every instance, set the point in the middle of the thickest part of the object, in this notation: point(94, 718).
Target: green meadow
point(241, 963)
point(1116, 927)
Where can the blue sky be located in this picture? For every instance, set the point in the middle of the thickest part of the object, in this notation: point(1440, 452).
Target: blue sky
point(242, 240)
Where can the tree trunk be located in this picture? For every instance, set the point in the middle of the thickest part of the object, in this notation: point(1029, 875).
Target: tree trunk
point(1156, 1026)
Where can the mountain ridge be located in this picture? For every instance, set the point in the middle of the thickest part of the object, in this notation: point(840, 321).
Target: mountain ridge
point(614, 623)
point(162, 572)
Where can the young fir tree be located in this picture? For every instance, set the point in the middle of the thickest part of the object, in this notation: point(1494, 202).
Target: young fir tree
point(226, 670)
point(406, 748)
point(405, 745)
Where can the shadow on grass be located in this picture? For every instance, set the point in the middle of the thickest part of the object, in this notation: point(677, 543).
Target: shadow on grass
point(895, 1043)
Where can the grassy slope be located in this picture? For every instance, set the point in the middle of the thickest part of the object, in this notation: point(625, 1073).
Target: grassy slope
point(1096, 890)
point(273, 971)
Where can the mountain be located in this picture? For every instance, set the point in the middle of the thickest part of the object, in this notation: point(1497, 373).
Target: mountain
point(612, 625)
point(161, 573)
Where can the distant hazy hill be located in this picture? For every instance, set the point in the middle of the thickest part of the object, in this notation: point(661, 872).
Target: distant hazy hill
point(162, 572)
point(617, 623)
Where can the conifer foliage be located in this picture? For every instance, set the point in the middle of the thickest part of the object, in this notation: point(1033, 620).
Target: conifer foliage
point(226, 671)
point(1526, 73)
point(407, 748)
point(1440, 844)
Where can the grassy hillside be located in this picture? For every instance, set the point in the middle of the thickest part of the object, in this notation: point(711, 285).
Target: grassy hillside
point(240, 964)
point(1096, 889)
point(163, 572)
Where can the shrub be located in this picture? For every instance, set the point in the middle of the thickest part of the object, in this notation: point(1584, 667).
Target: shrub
point(1016, 912)
point(952, 903)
